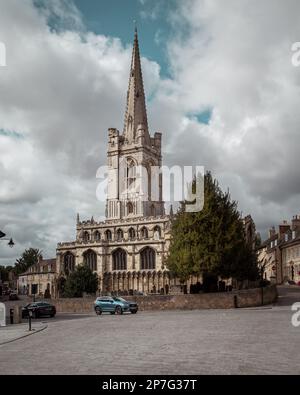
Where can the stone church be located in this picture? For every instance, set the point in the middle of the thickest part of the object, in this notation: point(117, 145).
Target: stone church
point(128, 250)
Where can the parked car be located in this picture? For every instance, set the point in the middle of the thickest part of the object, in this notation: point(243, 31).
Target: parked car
point(13, 296)
point(39, 309)
point(114, 305)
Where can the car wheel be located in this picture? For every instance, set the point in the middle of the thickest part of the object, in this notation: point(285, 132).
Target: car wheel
point(36, 314)
point(112, 312)
point(119, 310)
point(133, 312)
point(98, 310)
point(52, 315)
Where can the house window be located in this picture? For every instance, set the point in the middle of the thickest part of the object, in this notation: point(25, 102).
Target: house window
point(119, 259)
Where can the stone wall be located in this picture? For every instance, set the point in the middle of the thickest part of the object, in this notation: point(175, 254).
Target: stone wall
point(241, 299)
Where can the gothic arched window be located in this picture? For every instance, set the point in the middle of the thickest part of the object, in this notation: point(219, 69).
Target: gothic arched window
point(69, 263)
point(131, 175)
point(148, 259)
point(129, 208)
point(131, 234)
point(119, 259)
point(86, 237)
point(120, 235)
point(144, 233)
point(97, 236)
point(108, 235)
point(90, 260)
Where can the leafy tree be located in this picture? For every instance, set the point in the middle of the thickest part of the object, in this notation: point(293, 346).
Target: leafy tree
point(4, 272)
point(211, 242)
point(29, 257)
point(80, 281)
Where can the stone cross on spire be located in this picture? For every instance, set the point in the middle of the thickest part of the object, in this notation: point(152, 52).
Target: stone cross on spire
point(136, 113)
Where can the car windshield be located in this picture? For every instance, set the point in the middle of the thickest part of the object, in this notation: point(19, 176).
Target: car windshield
point(119, 300)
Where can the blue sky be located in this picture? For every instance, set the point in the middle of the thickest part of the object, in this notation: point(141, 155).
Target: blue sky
point(116, 18)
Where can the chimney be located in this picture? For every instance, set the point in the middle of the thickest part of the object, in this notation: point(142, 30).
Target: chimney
point(272, 232)
point(296, 223)
point(283, 229)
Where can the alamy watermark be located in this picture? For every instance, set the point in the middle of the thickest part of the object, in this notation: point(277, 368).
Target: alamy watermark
point(296, 54)
point(2, 54)
point(126, 181)
point(296, 315)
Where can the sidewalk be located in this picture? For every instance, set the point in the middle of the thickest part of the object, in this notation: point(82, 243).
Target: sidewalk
point(15, 332)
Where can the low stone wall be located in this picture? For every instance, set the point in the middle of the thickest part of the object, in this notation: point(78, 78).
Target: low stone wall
point(240, 299)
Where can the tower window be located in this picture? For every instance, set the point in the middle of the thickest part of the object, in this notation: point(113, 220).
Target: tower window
point(144, 233)
point(131, 234)
point(86, 237)
point(129, 208)
point(120, 235)
point(108, 235)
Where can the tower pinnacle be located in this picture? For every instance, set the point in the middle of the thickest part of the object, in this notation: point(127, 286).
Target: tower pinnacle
point(136, 113)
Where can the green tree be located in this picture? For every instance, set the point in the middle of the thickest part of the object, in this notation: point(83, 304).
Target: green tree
point(212, 241)
point(80, 281)
point(29, 257)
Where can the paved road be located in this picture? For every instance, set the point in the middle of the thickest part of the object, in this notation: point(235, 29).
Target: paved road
point(252, 341)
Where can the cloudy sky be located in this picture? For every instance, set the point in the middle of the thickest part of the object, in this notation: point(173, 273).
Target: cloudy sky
point(220, 84)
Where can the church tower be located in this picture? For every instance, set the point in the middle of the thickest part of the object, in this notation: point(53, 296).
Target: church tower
point(134, 157)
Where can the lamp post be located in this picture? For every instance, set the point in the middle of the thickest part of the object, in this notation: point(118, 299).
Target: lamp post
point(11, 243)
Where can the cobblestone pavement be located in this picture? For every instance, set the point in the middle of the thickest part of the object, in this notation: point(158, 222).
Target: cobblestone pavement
point(251, 341)
point(15, 332)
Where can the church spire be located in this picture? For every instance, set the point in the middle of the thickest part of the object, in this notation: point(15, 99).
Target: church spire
point(136, 113)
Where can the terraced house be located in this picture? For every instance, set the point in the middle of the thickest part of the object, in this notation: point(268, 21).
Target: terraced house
point(279, 255)
point(128, 250)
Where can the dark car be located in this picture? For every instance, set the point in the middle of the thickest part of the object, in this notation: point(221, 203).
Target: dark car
point(39, 309)
point(13, 296)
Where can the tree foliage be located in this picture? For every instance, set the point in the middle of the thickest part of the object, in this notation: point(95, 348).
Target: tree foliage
point(82, 280)
point(29, 257)
point(212, 241)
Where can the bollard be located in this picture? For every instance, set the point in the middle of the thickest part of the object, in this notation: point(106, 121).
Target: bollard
point(235, 301)
point(29, 319)
point(11, 316)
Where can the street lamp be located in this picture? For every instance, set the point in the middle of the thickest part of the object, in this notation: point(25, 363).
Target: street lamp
point(11, 243)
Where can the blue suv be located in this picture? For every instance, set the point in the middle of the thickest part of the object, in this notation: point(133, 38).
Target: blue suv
point(114, 305)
